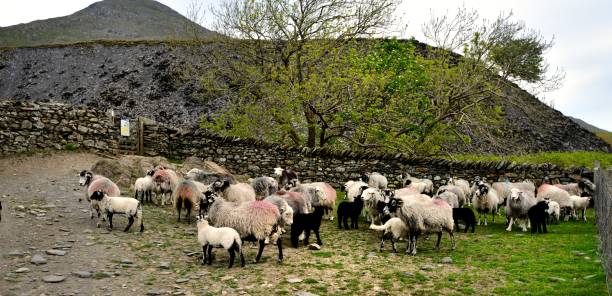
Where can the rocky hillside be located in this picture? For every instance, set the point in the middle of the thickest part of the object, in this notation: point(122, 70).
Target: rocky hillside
point(106, 20)
point(158, 80)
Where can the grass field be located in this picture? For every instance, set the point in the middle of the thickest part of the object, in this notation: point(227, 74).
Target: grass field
point(491, 261)
point(562, 159)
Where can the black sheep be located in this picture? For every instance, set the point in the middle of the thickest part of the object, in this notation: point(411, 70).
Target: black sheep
point(537, 216)
point(467, 216)
point(349, 210)
point(305, 223)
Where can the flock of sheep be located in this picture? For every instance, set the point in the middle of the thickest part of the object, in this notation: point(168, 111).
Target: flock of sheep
point(230, 212)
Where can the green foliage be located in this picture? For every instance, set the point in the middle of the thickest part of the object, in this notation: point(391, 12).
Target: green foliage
point(70, 147)
point(562, 159)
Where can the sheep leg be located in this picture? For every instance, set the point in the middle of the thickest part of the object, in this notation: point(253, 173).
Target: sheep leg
point(130, 222)
point(210, 247)
point(262, 244)
point(345, 222)
point(316, 231)
point(485, 217)
point(179, 204)
point(188, 207)
point(452, 237)
point(340, 221)
point(584, 215)
point(439, 238)
point(279, 243)
point(110, 220)
point(465, 230)
point(510, 224)
point(479, 216)
point(526, 225)
point(393, 244)
point(382, 243)
point(355, 222)
point(241, 257)
point(414, 244)
point(232, 255)
point(204, 253)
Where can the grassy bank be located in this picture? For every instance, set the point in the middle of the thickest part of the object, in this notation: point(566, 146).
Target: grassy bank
point(562, 159)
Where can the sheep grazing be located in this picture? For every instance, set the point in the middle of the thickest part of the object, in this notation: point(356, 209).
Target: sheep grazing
point(485, 201)
point(467, 216)
point(224, 237)
point(464, 186)
point(562, 197)
point(241, 192)
point(254, 220)
point(264, 186)
point(209, 177)
point(375, 180)
point(517, 206)
point(130, 207)
point(580, 204)
point(448, 197)
point(422, 215)
point(394, 229)
point(187, 195)
point(554, 211)
point(347, 209)
point(95, 183)
point(537, 217)
point(287, 178)
point(165, 182)
point(461, 198)
point(144, 186)
point(578, 189)
point(421, 185)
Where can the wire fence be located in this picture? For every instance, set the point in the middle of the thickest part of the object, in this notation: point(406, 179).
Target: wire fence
point(603, 209)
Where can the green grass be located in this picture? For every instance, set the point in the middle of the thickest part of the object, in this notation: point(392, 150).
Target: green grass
point(561, 159)
point(606, 136)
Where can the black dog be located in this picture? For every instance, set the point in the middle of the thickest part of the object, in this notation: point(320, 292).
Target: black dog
point(467, 216)
point(537, 216)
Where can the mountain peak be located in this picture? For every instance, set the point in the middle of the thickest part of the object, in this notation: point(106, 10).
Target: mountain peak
point(107, 20)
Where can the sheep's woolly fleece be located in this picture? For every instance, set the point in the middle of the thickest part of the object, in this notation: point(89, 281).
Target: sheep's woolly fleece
point(329, 194)
point(295, 200)
point(256, 218)
point(546, 191)
point(422, 213)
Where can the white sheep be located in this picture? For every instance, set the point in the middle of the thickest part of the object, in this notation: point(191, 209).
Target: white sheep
point(580, 204)
point(371, 196)
point(186, 195)
point(554, 211)
point(228, 238)
point(422, 215)
point(264, 186)
point(375, 180)
point(393, 229)
point(144, 186)
point(486, 201)
point(503, 189)
point(461, 198)
point(254, 220)
point(95, 183)
point(130, 207)
point(464, 186)
point(241, 192)
point(353, 189)
point(286, 178)
point(448, 197)
point(421, 185)
point(550, 192)
point(577, 189)
point(517, 206)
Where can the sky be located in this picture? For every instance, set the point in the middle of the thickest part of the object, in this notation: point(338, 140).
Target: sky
point(581, 31)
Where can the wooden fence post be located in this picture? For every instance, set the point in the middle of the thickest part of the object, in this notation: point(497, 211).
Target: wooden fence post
point(140, 136)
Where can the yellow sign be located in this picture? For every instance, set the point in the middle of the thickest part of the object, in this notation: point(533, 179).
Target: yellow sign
point(125, 127)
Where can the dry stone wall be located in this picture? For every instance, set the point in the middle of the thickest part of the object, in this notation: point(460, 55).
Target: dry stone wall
point(26, 126)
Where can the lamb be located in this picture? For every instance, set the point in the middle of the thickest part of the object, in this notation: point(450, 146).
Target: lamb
point(485, 201)
point(580, 204)
point(422, 214)
point(287, 178)
point(422, 185)
point(537, 217)
point(165, 181)
point(264, 186)
point(95, 183)
point(311, 221)
point(209, 177)
point(144, 186)
point(254, 220)
point(467, 216)
point(375, 180)
point(461, 198)
point(241, 192)
point(554, 212)
point(448, 197)
point(550, 192)
point(351, 210)
point(186, 195)
point(130, 207)
point(225, 237)
point(517, 206)
point(393, 229)
point(464, 186)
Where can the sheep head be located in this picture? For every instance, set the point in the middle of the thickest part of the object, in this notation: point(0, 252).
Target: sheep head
point(370, 194)
point(287, 214)
point(394, 204)
point(516, 195)
point(97, 195)
point(365, 177)
point(387, 195)
point(209, 198)
point(85, 177)
point(278, 171)
point(151, 172)
point(219, 186)
point(586, 186)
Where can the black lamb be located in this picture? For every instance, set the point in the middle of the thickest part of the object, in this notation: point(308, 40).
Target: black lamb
point(349, 210)
point(305, 223)
point(537, 216)
point(467, 216)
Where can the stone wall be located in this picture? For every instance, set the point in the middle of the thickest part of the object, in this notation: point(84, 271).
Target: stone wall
point(28, 126)
point(255, 158)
